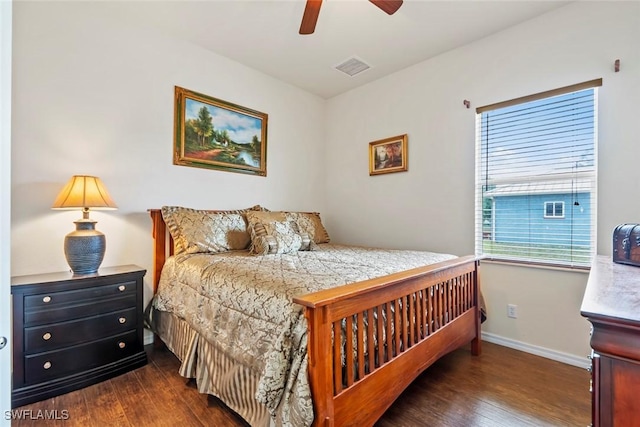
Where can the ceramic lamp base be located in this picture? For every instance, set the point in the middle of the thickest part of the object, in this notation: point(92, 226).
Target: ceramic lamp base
point(84, 248)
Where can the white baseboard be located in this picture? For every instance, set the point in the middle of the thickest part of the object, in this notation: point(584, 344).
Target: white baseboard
point(569, 359)
point(558, 356)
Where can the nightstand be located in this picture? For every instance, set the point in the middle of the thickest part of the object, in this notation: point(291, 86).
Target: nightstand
point(612, 304)
point(72, 331)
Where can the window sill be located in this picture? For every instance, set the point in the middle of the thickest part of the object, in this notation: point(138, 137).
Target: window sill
point(529, 264)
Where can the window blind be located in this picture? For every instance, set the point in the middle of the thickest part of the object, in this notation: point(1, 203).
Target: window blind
point(536, 177)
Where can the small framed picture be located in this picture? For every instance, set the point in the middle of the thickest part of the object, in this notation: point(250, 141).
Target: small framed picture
point(388, 155)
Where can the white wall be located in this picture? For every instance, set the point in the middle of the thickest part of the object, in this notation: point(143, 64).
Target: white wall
point(93, 95)
point(5, 199)
point(431, 205)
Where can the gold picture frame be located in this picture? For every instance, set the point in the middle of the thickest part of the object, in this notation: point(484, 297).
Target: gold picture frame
point(388, 155)
point(215, 134)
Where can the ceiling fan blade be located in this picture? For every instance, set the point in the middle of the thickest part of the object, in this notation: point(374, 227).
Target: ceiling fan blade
point(310, 16)
point(388, 6)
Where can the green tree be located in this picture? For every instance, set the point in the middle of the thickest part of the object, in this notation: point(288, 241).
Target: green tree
point(255, 143)
point(203, 125)
point(487, 212)
point(224, 136)
point(191, 135)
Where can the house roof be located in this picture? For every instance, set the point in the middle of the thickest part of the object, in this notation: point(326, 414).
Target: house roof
point(544, 187)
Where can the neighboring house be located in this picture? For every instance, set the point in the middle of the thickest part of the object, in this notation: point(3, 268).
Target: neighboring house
point(557, 211)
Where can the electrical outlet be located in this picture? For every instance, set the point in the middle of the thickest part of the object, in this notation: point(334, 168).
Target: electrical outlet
point(512, 311)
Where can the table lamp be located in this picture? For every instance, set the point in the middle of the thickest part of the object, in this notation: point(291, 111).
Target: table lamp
point(84, 248)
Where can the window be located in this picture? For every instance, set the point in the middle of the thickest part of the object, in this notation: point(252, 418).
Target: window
point(554, 209)
point(532, 152)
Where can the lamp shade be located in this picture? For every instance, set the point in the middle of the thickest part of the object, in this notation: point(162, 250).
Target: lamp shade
point(84, 248)
point(83, 191)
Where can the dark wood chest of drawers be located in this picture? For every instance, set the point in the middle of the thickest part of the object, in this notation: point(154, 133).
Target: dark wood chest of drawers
point(72, 331)
point(612, 305)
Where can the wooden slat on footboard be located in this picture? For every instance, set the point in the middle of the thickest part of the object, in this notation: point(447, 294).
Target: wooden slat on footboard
point(369, 340)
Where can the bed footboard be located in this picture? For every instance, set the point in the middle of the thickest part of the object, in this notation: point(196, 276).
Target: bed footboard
point(369, 340)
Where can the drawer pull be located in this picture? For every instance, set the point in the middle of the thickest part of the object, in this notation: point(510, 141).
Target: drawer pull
point(121, 344)
point(121, 288)
point(122, 320)
point(46, 365)
point(46, 299)
point(46, 336)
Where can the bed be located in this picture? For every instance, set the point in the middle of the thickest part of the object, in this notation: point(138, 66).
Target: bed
point(360, 324)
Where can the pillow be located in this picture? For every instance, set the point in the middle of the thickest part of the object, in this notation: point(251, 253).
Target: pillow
point(310, 223)
point(281, 238)
point(273, 233)
point(197, 231)
point(306, 222)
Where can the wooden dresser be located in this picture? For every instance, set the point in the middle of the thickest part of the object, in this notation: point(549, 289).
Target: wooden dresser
point(72, 331)
point(612, 305)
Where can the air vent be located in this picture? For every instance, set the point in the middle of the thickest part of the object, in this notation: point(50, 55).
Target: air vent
point(352, 66)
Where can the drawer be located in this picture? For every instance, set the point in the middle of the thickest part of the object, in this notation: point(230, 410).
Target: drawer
point(64, 312)
point(54, 299)
point(56, 364)
point(56, 335)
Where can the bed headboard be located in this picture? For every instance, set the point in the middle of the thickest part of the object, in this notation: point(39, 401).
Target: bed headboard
point(162, 244)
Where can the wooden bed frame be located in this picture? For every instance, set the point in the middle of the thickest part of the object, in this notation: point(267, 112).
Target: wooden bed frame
point(419, 315)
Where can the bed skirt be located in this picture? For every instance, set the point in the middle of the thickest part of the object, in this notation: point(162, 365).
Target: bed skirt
point(214, 372)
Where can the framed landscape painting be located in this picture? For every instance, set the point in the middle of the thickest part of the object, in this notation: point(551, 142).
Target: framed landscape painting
point(388, 155)
point(215, 134)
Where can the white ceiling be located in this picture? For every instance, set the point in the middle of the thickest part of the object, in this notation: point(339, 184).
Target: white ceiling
point(264, 34)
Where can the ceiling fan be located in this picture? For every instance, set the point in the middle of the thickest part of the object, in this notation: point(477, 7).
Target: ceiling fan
point(312, 10)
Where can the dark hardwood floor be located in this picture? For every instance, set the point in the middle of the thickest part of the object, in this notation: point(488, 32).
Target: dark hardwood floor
point(502, 387)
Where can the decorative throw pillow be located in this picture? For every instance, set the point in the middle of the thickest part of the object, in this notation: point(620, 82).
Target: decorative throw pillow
point(197, 231)
point(306, 222)
point(310, 223)
point(272, 233)
point(281, 238)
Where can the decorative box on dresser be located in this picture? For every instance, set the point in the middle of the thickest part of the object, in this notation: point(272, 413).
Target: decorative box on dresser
point(612, 305)
point(72, 331)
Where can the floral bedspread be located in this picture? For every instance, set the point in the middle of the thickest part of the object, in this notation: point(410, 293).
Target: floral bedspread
point(243, 304)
